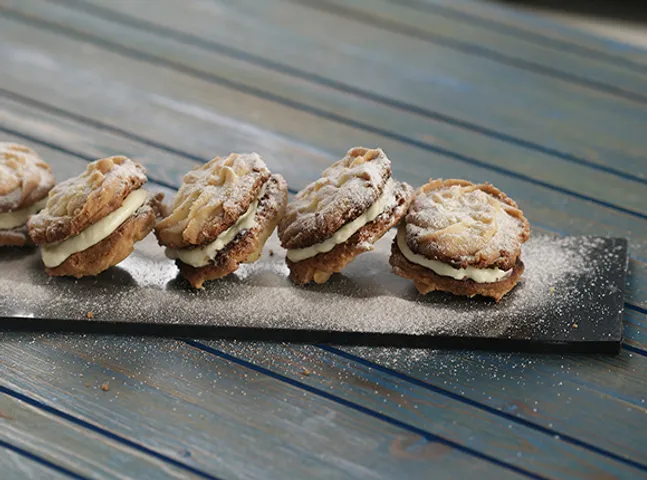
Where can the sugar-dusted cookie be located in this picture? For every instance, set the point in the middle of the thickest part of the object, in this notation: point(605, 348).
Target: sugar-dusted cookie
point(461, 238)
point(91, 222)
point(341, 215)
point(222, 216)
point(25, 181)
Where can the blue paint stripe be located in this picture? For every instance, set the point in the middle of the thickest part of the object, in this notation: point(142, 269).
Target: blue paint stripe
point(472, 49)
point(486, 408)
point(232, 52)
point(519, 32)
point(359, 408)
point(637, 308)
point(152, 59)
point(104, 432)
point(633, 349)
point(42, 461)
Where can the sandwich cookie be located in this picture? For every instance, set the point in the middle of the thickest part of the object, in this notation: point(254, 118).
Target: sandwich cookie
point(461, 238)
point(222, 216)
point(91, 222)
point(342, 215)
point(25, 181)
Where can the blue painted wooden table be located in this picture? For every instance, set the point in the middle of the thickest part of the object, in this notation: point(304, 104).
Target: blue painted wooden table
point(449, 88)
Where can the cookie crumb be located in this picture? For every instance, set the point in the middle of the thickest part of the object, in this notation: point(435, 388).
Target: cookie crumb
point(87, 385)
point(105, 387)
point(575, 325)
point(90, 315)
point(305, 372)
point(81, 375)
point(551, 290)
point(271, 252)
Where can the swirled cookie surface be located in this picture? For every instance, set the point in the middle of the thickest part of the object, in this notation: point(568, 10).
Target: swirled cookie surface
point(211, 199)
point(463, 224)
point(24, 177)
point(81, 201)
point(345, 190)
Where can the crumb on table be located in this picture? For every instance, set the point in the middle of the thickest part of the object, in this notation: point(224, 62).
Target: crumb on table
point(105, 387)
point(271, 252)
point(90, 315)
point(305, 372)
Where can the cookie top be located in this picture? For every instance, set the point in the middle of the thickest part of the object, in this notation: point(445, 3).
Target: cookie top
point(78, 202)
point(463, 224)
point(24, 177)
point(345, 190)
point(211, 199)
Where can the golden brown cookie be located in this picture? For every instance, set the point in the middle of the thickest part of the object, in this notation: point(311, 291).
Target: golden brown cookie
point(78, 202)
point(342, 215)
point(461, 238)
point(115, 247)
point(222, 216)
point(211, 199)
point(25, 181)
point(92, 221)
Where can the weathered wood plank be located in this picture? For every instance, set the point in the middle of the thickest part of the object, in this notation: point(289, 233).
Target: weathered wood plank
point(218, 416)
point(16, 466)
point(528, 26)
point(477, 40)
point(71, 447)
point(609, 390)
point(548, 208)
point(468, 90)
point(555, 392)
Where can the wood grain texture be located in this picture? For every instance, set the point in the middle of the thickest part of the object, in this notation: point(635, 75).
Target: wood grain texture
point(477, 40)
point(71, 447)
point(212, 103)
point(217, 416)
point(15, 466)
point(456, 86)
point(449, 416)
point(527, 26)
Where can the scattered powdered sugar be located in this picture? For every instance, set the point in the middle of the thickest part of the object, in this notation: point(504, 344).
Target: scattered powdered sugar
point(565, 278)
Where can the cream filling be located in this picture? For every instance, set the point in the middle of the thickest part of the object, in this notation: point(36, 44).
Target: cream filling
point(348, 230)
point(18, 218)
point(201, 256)
point(54, 255)
point(479, 275)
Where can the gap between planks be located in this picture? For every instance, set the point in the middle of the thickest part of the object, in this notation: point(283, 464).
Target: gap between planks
point(42, 461)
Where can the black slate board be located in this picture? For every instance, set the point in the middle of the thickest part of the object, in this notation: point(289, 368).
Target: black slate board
point(571, 299)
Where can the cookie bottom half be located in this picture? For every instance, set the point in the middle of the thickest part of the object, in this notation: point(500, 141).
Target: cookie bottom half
point(15, 237)
point(427, 281)
point(115, 247)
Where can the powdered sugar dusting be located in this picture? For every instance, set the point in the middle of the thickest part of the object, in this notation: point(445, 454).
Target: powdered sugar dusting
point(561, 277)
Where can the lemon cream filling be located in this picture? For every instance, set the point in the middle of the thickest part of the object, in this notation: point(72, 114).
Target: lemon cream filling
point(18, 218)
point(201, 256)
point(479, 275)
point(344, 233)
point(55, 254)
